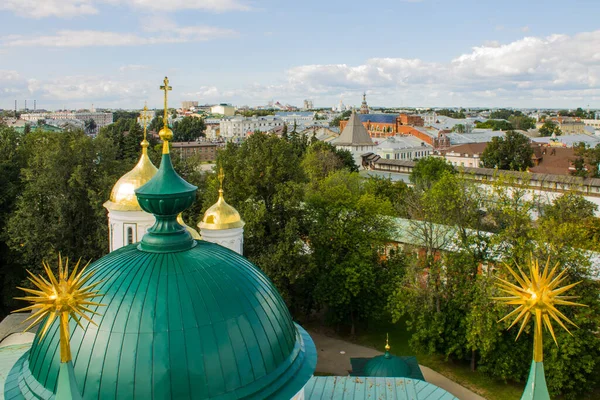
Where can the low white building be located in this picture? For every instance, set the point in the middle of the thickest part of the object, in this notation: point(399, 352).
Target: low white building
point(100, 118)
point(403, 148)
point(224, 109)
point(240, 127)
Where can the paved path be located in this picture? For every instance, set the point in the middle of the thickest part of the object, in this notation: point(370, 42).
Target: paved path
point(331, 361)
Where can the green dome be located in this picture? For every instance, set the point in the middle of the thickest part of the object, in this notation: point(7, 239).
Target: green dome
point(387, 365)
point(198, 324)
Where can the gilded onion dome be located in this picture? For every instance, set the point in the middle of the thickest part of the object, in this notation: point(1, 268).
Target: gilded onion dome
point(122, 196)
point(221, 215)
point(192, 231)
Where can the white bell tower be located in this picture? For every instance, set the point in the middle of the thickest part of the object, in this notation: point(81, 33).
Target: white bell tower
point(127, 223)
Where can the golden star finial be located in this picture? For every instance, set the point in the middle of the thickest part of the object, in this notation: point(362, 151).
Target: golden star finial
point(537, 296)
point(61, 296)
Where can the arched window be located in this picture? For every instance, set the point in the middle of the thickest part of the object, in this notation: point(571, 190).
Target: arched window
point(129, 235)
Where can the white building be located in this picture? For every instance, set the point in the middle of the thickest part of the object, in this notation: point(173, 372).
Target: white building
point(223, 109)
point(308, 104)
point(240, 127)
point(100, 118)
point(403, 148)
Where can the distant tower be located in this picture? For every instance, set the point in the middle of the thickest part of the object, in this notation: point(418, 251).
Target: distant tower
point(25, 105)
point(222, 224)
point(34, 105)
point(364, 108)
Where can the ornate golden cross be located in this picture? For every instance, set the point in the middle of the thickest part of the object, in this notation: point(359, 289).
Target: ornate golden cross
point(145, 118)
point(166, 89)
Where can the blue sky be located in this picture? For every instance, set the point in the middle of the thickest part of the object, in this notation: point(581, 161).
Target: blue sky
point(114, 53)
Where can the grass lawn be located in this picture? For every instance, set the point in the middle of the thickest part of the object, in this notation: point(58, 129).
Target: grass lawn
point(479, 383)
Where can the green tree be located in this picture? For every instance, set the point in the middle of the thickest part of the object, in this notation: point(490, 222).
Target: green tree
point(188, 129)
point(496, 125)
point(428, 170)
point(348, 227)
point(90, 126)
point(12, 160)
point(549, 128)
point(264, 181)
point(460, 128)
point(67, 178)
point(512, 152)
point(342, 117)
point(521, 122)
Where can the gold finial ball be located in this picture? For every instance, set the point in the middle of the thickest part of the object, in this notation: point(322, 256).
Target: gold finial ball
point(166, 134)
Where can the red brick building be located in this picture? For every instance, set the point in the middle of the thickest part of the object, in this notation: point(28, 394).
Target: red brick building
point(385, 125)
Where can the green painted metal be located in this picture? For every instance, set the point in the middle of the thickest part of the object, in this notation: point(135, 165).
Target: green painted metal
point(355, 388)
point(387, 366)
point(165, 196)
point(66, 388)
point(536, 388)
point(198, 324)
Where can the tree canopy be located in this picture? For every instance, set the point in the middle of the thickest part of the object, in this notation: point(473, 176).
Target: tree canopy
point(188, 129)
point(512, 152)
point(550, 127)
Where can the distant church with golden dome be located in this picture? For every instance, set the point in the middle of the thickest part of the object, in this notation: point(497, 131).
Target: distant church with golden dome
point(167, 315)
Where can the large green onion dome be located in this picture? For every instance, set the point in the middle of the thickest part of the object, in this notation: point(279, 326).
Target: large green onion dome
point(183, 319)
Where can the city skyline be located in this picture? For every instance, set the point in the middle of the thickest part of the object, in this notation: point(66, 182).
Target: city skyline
point(426, 53)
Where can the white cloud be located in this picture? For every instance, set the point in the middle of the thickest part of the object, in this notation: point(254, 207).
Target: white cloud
point(49, 8)
point(134, 68)
point(87, 38)
point(554, 71)
point(9, 75)
point(529, 66)
point(174, 5)
point(72, 8)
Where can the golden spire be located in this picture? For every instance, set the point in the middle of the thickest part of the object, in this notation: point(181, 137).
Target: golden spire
point(165, 133)
point(221, 176)
point(387, 342)
point(64, 297)
point(537, 296)
point(144, 118)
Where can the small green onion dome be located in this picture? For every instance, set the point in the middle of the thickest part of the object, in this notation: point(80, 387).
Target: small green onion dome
point(181, 319)
point(387, 365)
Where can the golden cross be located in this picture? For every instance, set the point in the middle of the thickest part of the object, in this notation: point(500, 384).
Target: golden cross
point(145, 118)
point(221, 176)
point(166, 89)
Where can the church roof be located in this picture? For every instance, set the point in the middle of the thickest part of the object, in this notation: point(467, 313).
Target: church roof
point(354, 388)
point(390, 367)
point(354, 134)
point(379, 118)
point(202, 323)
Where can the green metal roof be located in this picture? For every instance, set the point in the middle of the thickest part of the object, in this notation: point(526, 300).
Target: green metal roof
point(387, 367)
point(357, 388)
point(203, 323)
point(536, 388)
